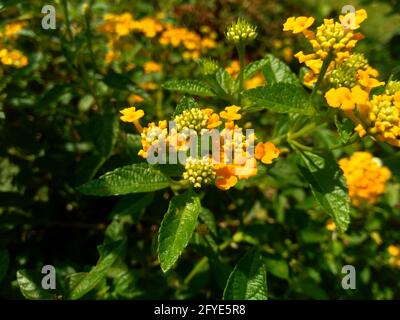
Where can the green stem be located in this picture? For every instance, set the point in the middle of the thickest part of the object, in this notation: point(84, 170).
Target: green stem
point(299, 146)
point(89, 33)
point(322, 73)
point(67, 22)
point(240, 49)
point(302, 132)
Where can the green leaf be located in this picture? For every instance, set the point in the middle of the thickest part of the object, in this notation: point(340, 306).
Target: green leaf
point(252, 68)
point(194, 87)
point(328, 186)
point(278, 267)
point(345, 129)
point(4, 262)
point(110, 253)
point(276, 71)
point(281, 98)
point(225, 80)
point(184, 104)
point(29, 289)
point(177, 227)
point(248, 280)
point(139, 177)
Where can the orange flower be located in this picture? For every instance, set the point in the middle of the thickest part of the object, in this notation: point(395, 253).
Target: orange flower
point(134, 98)
point(151, 66)
point(266, 152)
point(226, 178)
point(247, 170)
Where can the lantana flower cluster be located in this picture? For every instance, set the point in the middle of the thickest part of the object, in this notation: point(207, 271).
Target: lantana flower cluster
point(235, 159)
point(366, 177)
point(117, 26)
point(9, 56)
point(349, 77)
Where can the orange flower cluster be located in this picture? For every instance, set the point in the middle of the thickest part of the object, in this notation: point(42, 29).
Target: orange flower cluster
point(11, 57)
point(365, 176)
point(116, 26)
point(193, 43)
point(233, 162)
point(330, 37)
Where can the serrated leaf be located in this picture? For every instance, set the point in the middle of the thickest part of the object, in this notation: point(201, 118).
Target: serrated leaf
point(4, 261)
point(281, 98)
point(29, 287)
point(194, 87)
point(184, 104)
point(248, 280)
point(177, 227)
point(110, 253)
point(134, 178)
point(328, 186)
point(276, 71)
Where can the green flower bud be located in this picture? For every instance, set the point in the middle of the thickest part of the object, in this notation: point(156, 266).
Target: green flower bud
point(199, 172)
point(193, 118)
point(392, 87)
point(346, 74)
point(208, 66)
point(241, 31)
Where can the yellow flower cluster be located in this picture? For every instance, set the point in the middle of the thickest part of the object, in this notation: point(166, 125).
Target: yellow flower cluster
point(256, 81)
point(224, 172)
point(365, 176)
point(121, 25)
point(11, 57)
point(330, 37)
point(350, 77)
point(193, 43)
point(394, 252)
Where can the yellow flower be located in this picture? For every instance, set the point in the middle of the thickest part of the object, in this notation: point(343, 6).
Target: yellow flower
point(234, 68)
point(149, 85)
point(254, 82)
point(231, 113)
point(365, 79)
point(13, 57)
point(345, 98)
point(151, 66)
point(352, 20)
point(266, 152)
point(298, 24)
point(393, 250)
point(12, 29)
point(365, 176)
point(131, 114)
point(330, 225)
